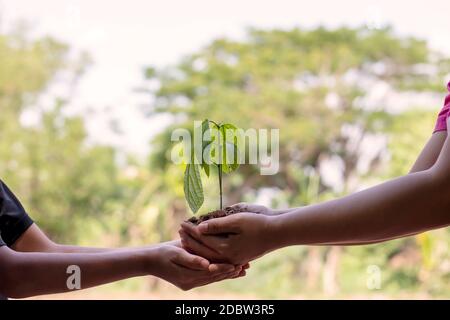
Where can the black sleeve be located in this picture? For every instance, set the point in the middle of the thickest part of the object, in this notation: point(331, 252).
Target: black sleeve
point(14, 220)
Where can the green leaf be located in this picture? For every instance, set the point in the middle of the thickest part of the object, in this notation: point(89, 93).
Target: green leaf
point(193, 189)
point(228, 126)
point(230, 166)
point(205, 128)
point(230, 145)
point(206, 168)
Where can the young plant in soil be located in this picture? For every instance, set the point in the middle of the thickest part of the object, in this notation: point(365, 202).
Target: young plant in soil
point(219, 152)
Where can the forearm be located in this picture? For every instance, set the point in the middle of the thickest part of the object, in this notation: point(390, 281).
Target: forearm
point(44, 273)
point(45, 245)
point(276, 212)
point(425, 161)
point(34, 240)
point(400, 207)
point(62, 248)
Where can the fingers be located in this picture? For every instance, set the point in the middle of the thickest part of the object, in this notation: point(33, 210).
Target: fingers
point(220, 277)
point(220, 268)
point(242, 273)
point(194, 246)
point(231, 275)
point(175, 243)
point(248, 207)
point(241, 206)
point(238, 273)
point(214, 243)
point(190, 261)
point(192, 230)
point(216, 272)
point(219, 226)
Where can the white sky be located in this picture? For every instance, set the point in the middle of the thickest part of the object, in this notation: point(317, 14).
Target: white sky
point(123, 36)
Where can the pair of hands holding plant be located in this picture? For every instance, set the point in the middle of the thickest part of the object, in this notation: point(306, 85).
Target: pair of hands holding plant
point(236, 239)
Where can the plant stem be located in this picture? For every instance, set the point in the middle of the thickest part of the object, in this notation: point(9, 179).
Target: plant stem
point(220, 185)
point(219, 166)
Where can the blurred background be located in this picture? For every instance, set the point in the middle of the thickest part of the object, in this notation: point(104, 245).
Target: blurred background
point(90, 91)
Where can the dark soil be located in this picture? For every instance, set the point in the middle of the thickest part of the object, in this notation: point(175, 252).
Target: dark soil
point(213, 214)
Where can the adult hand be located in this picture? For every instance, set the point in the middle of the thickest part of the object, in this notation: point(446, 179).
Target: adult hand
point(187, 271)
point(236, 239)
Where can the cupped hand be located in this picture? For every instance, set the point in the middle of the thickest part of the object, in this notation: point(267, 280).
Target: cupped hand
point(236, 239)
point(186, 270)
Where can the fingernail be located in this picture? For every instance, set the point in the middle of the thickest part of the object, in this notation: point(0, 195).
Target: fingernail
point(212, 268)
point(205, 264)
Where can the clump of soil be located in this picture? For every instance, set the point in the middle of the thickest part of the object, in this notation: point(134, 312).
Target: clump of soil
point(213, 215)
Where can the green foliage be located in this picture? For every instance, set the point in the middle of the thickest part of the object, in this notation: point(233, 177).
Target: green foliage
point(219, 148)
point(193, 189)
point(48, 164)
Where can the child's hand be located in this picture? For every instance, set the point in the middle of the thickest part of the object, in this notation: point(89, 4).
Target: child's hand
point(187, 271)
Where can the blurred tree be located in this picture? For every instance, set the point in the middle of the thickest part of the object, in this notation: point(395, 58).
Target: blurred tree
point(46, 160)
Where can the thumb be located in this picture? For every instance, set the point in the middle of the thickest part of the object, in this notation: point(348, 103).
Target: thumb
point(218, 226)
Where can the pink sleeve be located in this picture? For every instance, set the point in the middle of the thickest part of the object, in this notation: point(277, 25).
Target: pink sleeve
point(441, 123)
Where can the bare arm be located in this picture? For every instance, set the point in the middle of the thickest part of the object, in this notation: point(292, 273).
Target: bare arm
point(29, 274)
point(37, 265)
point(35, 240)
point(414, 203)
point(430, 152)
point(35, 273)
point(425, 161)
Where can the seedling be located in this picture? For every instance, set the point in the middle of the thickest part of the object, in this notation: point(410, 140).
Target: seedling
point(219, 151)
